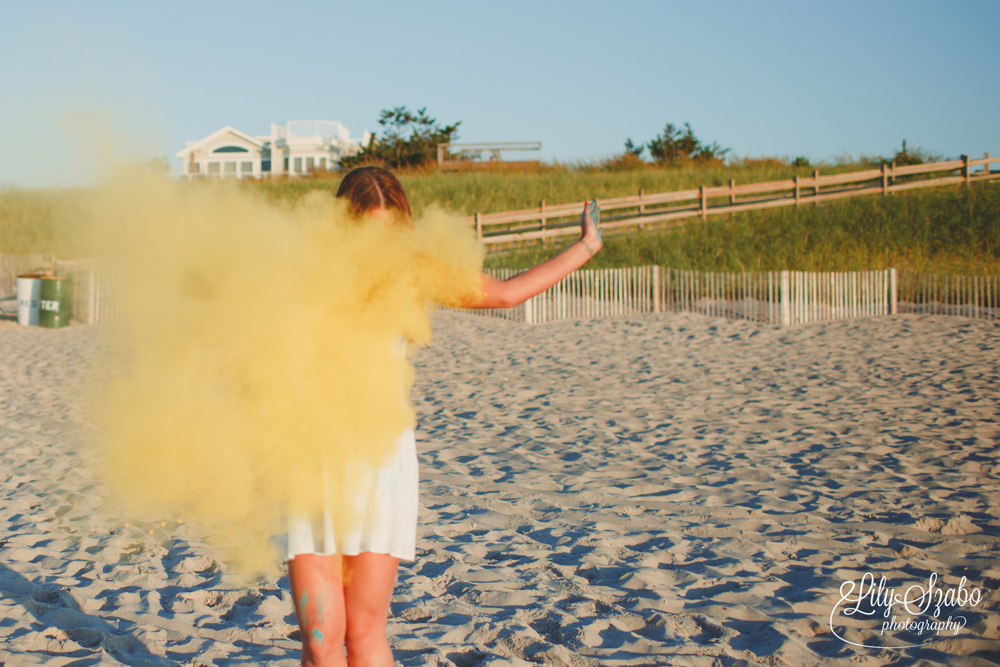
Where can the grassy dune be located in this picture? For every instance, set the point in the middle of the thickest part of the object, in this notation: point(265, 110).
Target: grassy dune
point(489, 191)
point(950, 229)
point(50, 221)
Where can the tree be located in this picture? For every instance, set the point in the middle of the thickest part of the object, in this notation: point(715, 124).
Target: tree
point(632, 151)
point(674, 145)
point(904, 156)
point(409, 139)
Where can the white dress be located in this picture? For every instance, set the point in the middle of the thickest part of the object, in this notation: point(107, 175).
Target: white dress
point(388, 506)
point(388, 501)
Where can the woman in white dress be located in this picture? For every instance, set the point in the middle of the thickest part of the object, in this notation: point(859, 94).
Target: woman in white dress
point(342, 586)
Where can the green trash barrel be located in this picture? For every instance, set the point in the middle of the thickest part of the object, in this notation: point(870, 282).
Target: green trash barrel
point(55, 303)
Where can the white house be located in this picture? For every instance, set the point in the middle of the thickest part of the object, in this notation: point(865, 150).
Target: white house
point(295, 148)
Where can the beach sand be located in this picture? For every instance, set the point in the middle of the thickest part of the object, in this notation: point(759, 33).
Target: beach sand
point(669, 489)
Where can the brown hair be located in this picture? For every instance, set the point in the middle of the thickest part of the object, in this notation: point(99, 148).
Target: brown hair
point(370, 188)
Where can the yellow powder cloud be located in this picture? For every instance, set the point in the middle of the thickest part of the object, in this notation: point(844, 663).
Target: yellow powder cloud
point(265, 345)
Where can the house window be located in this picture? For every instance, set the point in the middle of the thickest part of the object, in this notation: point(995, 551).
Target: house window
point(213, 167)
point(230, 167)
point(246, 168)
point(265, 165)
point(230, 149)
point(298, 165)
point(286, 165)
point(309, 164)
point(195, 167)
point(322, 163)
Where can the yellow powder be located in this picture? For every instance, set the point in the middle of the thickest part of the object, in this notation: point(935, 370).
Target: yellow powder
point(265, 346)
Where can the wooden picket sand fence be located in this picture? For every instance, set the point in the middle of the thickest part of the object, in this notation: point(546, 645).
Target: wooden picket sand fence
point(771, 297)
point(99, 288)
point(967, 296)
point(12, 266)
point(667, 207)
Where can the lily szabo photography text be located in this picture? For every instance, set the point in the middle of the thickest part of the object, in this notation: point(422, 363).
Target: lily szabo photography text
point(904, 616)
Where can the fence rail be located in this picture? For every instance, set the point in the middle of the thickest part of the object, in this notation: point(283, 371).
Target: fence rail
point(664, 207)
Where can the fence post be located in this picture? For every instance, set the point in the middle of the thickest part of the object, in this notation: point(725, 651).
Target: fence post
point(642, 211)
point(92, 315)
point(796, 190)
point(732, 191)
point(704, 204)
point(479, 227)
point(786, 299)
point(656, 289)
point(885, 180)
point(975, 297)
point(529, 311)
point(965, 169)
point(893, 292)
point(542, 205)
point(816, 184)
point(668, 290)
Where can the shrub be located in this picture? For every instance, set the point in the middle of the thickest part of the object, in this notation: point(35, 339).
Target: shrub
point(674, 146)
point(410, 140)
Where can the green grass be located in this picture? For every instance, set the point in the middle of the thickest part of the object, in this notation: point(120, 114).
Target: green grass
point(948, 230)
point(503, 190)
point(48, 221)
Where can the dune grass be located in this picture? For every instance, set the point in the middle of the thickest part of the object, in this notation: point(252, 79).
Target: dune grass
point(947, 230)
point(951, 229)
point(49, 221)
point(502, 190)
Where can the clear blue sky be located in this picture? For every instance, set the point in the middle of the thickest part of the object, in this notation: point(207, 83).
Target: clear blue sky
point(763, 78)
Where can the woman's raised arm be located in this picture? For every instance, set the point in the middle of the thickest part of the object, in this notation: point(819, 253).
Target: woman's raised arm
point(537, 279)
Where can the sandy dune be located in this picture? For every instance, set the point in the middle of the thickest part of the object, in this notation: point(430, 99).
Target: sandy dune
point(659, 490)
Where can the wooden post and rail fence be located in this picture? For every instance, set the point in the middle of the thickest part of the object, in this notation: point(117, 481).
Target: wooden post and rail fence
point(547, 221)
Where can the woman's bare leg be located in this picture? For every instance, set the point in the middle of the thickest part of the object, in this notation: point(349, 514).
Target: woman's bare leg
point(368, 582)
point(318, 592)
point(343, 600)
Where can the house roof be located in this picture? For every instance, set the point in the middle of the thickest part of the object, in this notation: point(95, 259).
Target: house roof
point(215, 136)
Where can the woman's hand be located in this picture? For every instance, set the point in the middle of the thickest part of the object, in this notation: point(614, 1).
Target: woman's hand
point(537, 279)
point(590, 233)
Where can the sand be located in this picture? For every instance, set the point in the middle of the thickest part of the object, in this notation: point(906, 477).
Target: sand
point(670, 489)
